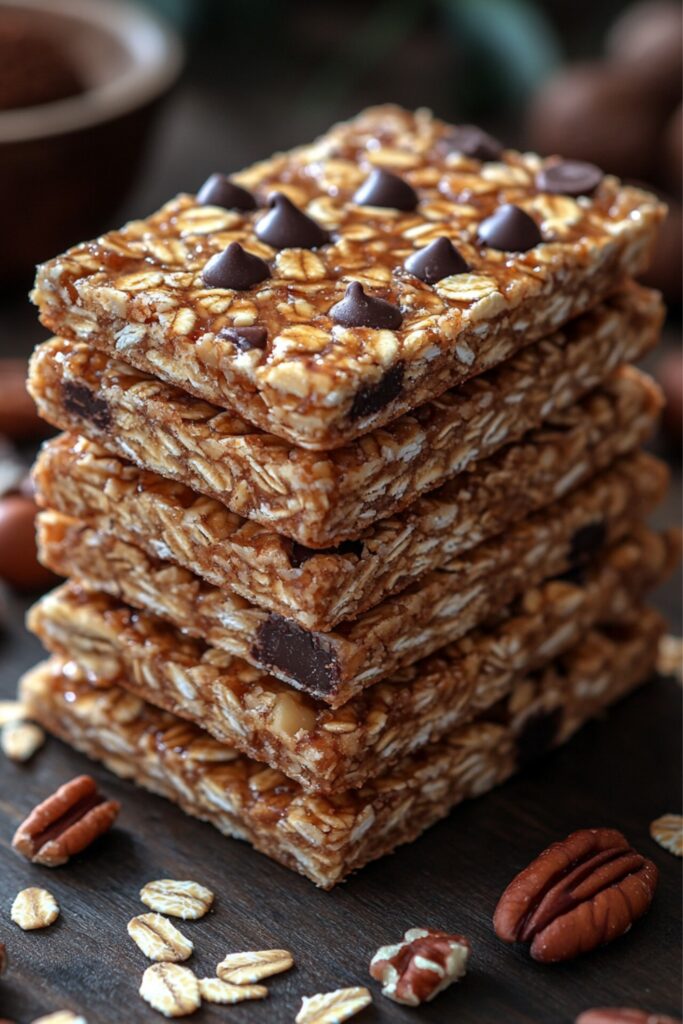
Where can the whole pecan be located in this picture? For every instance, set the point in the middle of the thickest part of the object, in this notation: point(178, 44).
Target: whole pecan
point(65, 823)
point(578, 894)
point(424, 964)
point(622, 1015)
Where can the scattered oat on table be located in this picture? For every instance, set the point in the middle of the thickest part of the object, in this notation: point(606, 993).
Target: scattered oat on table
point(668, 832)
point(245, 968)
point(61, 1017)
point(670, 657)
point(185, 899)
point(213, 990)
point(21, 740)
point(333, 1007)
point(159, 939)
point(171, 989)
point(11, 711)
point(34, 908)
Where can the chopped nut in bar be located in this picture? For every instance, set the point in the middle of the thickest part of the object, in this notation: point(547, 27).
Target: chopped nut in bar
point(318, 589)
point(534, 260)
point(326, 838)
point(321, 499)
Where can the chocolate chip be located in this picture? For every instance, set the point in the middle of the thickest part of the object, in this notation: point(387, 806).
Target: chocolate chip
point(586, 541)
point(374, 397)
point(538, 735)
point(300, 553)
point(357, 309)
point(84, 403)
point(383, 188)
point(245, 338)
point(218, 190)
point(569, 178)
point(576, 575)
point(437, 260)
point(472, 141)
point(285, 226)
point(235, 268)
point(300, 654)
point(510, 229)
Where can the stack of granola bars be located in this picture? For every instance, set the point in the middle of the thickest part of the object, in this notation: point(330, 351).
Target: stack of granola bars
point(350, 494)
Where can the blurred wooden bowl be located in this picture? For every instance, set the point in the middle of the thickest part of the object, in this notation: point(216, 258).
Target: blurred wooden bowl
point(66, 166)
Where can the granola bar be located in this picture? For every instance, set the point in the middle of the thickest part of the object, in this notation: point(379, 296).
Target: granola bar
point(320, 499)
point(81, 479)
point(329, 751)
point(325, 838)
point(347, 336)
point(442, 606)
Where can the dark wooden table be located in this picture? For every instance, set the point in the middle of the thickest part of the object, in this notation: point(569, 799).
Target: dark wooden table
point(622, 771)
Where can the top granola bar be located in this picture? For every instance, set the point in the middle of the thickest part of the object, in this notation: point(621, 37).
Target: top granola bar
point(399, 256)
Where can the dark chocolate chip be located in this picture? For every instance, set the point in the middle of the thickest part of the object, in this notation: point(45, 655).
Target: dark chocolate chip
point(218, 190)
point(357, 309)
point(576, 575)
point(471, 141)
point(374, 397)
point(84, 403)
point(302, 655)
point(510, 229)
point(285, 226)
point(383, 188)
point(300, 553)
point(437, 260)
point(538, 735)
point(235, 268)
point(245, 338)
point(586, 542)
point(569, 178)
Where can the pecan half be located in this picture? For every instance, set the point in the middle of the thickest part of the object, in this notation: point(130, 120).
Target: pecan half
point(622, 1015)
point(580, 893)
point(66, 823)
point(424, 964)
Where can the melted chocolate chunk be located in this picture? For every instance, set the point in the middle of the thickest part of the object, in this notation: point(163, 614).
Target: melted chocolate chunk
point(357, 309)
point(235, 268)
point(437, 260)
point(538, 735)
point(84, 403)
point(218, 190)
point(374, 397)
point(302, 655)
point(471, 141)
point(285, 226)
point(569, 178)
point(383, 188)
point(246, 338)
point(510, 230)
point(585, 542)
point(300, 553)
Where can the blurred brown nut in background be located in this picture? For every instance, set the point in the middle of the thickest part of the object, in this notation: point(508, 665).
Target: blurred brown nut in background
point(647, 39)
point(19, 419)
point(19, 565)
point(597, 112)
